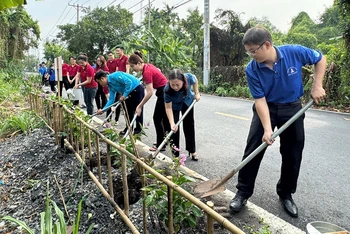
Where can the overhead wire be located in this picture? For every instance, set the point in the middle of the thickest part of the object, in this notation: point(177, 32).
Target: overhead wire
point(181, 3)
point(49, 33)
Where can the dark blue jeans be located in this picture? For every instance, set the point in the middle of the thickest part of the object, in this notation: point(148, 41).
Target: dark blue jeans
point(89, 98)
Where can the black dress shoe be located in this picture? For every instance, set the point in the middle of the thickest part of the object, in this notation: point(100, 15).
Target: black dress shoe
point(237, 203)
point(289, 206)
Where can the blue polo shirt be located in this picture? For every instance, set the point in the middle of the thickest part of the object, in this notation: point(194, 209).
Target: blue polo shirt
point(51, 72)
point(120, 82)
point(178, 98)
point(283, 83)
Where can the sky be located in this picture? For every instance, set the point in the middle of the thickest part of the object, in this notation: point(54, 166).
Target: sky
point(50, 13)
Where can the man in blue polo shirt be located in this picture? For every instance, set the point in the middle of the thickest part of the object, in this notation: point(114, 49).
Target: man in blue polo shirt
point(275, 82)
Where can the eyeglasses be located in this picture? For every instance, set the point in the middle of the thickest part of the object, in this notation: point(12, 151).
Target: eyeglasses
point(254, 51)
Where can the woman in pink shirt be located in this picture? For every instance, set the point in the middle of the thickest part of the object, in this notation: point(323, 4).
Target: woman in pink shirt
point(153, 78)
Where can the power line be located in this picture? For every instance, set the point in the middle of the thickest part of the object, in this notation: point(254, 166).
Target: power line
point(55, 23)
point(135, 5)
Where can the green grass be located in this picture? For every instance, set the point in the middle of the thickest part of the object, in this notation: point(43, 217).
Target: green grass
point(23, 122)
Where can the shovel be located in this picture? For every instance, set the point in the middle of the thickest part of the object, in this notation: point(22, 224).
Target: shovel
point(130, 126)
point(214, 186)
point(167, 138)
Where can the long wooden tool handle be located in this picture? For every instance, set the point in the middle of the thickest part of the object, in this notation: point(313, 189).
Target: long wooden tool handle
point(167, 138)
point(263, 145)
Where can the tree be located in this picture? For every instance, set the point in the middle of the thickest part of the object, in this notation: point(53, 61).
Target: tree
point(303, 31)
point(277, 36)
point(167, 52)
point(98, 31)
point(226, 43)
point(53, 50)
point(11, 3)
point(19, 32)
point(192, 27)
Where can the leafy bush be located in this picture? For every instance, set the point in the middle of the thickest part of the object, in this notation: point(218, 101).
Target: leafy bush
point(23, 122)
point(220, 91)
point(185, 213)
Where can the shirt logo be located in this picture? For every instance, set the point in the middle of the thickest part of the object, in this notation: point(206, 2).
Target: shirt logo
point(317, 54)
point(292, 71)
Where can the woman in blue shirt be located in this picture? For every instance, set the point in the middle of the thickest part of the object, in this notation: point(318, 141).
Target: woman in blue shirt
point(178, 96)
point(127, 85)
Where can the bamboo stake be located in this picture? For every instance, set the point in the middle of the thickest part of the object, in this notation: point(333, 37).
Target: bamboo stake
point(56, 121)
point(82, 143)
point(90, 151)
point(71, 133)
point(144, 212)
point(30, 102)
point(210, 221)
point(61, 118)
point(223, 221)
point(170, 208)
point(125, 184)
point(109, 167)
point(106, 195)
point(98, 159)
point(76, 137)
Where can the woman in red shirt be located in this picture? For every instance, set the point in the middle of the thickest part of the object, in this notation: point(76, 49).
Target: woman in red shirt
point(86, 73)
point(101, 93)
point(153, 78)
point(71, 73)
point(64, 81)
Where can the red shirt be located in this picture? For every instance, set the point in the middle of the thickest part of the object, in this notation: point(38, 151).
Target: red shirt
point(151, 74)
point(72, 70)
point(65, 68)
point(112, 65)
point(85, 72)
point(122, 62)
point(105, 88)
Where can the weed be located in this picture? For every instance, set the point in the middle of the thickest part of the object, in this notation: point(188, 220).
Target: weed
point(23, 122)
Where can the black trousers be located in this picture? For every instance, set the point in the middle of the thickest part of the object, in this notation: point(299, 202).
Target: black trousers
point(100, 98)
point(291, 148)
point(160, 119)
point(135, 97)
point(188, 128)
point(52, 85)
point(64, 83)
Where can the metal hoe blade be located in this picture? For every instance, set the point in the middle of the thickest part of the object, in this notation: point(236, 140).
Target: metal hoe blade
point(215, 186)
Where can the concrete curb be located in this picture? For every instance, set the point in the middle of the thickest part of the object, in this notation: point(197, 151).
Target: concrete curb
point(253, 213)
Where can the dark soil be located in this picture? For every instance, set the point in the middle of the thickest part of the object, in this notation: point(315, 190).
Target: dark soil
point(27, 163)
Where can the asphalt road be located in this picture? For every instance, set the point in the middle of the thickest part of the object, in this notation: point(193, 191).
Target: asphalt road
point(222, 126)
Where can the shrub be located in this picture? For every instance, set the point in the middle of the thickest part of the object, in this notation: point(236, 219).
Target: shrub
point(220, 91)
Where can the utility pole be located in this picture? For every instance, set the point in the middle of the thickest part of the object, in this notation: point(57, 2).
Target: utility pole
point(141, 11)
point(149, 26)
point(78, 7)
point(206, 59)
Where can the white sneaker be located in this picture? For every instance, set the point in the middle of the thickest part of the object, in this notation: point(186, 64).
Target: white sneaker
point(83, 105)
